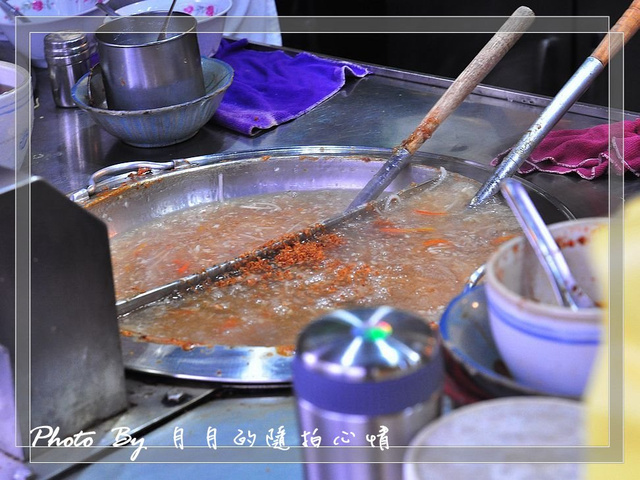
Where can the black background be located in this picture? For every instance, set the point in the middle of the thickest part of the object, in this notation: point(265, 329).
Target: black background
point(538, 63)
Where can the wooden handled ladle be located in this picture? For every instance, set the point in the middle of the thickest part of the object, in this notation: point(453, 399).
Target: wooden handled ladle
point(469, 79)
point(621, 32)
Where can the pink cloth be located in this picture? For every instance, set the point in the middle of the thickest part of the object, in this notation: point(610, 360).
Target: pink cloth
point(585, 152)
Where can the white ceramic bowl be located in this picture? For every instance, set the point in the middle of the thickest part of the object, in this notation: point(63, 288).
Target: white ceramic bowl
point(548, 347)
point(209, 14)
point(159, 127)
point(503, 439)
point(63, 15)
point(15, 115)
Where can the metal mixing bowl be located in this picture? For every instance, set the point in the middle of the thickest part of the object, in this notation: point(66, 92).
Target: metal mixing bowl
point(157, 127)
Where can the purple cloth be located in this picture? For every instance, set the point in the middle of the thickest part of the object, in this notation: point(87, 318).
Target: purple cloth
point(270, 88)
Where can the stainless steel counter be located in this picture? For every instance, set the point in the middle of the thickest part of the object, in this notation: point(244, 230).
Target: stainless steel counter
point(377, 111)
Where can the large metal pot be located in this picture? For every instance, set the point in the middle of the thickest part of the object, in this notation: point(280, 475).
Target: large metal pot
point(128, 199)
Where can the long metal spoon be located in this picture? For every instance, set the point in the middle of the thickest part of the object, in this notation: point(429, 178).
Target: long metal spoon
point(565, 287)
point(268, 250)
point(460, 89)
point(106, 9)
point(163, 31)
point(628, 25)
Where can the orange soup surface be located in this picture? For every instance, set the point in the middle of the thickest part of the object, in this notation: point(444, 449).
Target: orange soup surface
point(415, 255)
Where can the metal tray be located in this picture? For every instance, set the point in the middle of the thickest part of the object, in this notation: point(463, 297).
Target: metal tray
point(134, 196)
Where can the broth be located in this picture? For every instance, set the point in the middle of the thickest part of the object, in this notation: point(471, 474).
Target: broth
point(415, 255)
point(191, 240)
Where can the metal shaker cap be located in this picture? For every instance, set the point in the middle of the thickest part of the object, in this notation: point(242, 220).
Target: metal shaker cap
point(370, 361)
point(59, 45)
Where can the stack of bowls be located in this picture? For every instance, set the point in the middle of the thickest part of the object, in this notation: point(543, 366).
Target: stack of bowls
point(511, 337)
point(546, 346)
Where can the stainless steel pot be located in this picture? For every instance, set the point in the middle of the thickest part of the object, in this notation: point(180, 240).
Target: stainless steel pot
point(141, 71)
point(124, 200)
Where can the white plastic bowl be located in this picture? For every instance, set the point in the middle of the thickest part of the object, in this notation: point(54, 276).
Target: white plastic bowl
point(63, 15)
point(209, 14)
point(548, 347)
point(15, 118)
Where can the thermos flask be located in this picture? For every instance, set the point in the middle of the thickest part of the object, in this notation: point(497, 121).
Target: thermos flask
point(366, 381)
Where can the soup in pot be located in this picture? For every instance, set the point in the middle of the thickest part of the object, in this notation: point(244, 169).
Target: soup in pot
point(416, 254)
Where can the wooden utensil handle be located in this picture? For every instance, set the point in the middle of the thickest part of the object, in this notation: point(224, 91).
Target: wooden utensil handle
point(627, 24)
point(471, 76)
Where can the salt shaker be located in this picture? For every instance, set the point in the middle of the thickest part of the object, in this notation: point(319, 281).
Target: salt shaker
point(366, 381)
point(68, 56)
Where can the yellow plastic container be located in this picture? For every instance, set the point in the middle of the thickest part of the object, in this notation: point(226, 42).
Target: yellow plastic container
point(597, 400)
